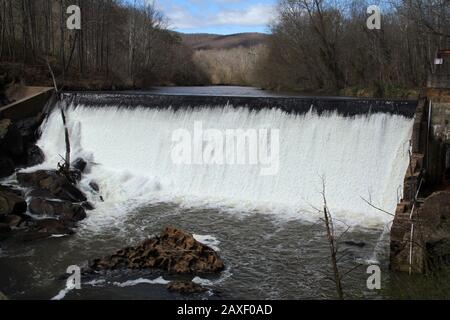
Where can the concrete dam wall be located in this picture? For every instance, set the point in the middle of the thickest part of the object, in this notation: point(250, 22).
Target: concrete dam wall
point(359, 145)
point(296, 105)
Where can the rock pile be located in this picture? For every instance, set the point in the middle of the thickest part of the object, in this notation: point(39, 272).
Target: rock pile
point(174, 251)
point(53, 198)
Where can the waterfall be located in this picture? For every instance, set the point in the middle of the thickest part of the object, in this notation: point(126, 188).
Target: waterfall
point(129, 151)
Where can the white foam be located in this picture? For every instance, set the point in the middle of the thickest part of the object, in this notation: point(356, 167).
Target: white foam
point(363, 156)
point(61, 295)
point(132, 283)
point(208, 240)
point(225, 275)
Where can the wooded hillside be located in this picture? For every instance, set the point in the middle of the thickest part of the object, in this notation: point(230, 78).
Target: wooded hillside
point(326, 45)
point(119, 45)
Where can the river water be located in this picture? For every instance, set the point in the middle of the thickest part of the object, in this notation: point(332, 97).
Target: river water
point(266, 229)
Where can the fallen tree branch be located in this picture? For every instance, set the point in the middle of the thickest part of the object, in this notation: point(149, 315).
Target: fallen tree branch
point(64, 169)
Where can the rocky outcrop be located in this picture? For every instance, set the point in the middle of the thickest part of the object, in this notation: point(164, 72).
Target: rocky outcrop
point(46, 228)
point(174, 251)
point(430, 228)
point(11, 202)
point(17, 144)
point(94, 186)
point(64, 210)
point(12, 207)
point(53, 197)
point(52, 182)
point(434, 229)
point(185, 287)
point(79, 164)
point(34, 155)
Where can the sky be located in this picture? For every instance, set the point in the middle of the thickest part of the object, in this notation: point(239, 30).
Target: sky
point(218, 16)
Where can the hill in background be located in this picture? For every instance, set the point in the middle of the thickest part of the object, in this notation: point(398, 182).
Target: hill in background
point(204, 41)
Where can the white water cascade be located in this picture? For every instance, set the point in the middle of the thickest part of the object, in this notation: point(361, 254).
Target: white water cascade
point(130, 155)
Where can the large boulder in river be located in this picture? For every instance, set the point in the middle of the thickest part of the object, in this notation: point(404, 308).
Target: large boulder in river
point(34, 155)
point(11, 202)
point(79, 164)
point(174, 251)
point(46, 228)
point(62, 209)
point(58, 185)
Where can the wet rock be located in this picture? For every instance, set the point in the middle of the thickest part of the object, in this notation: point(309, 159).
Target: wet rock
point(185, 287)
point(75, 175)
point(79, 164)
point(6, 166)
point(11, 202)
point(434, 229)
point(34, 155)
point(46, 228)
point(88, 206)
point(40, 193)
point(62, 209)
point(174, 251)
point(17, 141)
point(58, 185)
point(355, 244)
point(429, 251)
point(28, 127)
point(13, 221)
point(31, 179)
point(94, 186)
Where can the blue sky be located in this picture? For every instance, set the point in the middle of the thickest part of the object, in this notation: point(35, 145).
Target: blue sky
point(218, 16)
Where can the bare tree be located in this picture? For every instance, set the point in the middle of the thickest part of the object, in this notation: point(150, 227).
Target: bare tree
point(324, 45)
point(119, 44)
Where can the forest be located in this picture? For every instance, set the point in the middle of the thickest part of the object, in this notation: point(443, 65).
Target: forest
point(119, 45)
point(325, 45)
point(318, 46)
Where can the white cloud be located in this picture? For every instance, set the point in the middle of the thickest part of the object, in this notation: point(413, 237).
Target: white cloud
point(254, 15)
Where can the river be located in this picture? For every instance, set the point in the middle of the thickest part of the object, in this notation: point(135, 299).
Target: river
point(265, 229)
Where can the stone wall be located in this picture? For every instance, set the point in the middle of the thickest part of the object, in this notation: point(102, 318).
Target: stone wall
point(28, 102)
point(19, 123)
point(420, 232)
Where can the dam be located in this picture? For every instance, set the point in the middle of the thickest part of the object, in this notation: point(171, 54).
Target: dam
point(360, 147)
point(267, 228)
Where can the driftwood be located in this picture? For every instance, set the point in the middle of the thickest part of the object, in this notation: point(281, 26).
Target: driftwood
point(64, 168)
